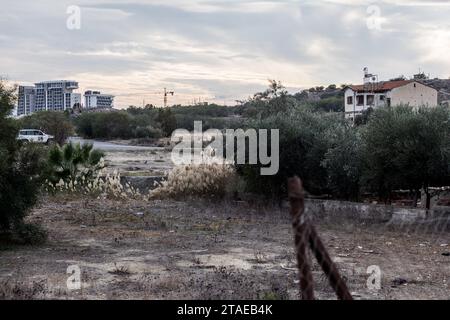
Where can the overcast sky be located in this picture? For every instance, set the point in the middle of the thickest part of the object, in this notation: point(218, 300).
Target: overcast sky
point(219, 50)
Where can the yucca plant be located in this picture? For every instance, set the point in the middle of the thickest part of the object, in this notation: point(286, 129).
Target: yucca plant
point(74, 162)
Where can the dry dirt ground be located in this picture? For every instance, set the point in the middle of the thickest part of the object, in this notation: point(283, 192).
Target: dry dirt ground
point(155, 162)
point(209, 250)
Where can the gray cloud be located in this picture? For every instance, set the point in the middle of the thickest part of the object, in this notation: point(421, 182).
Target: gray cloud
point(219, 50)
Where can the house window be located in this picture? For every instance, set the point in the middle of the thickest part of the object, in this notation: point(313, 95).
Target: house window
point(349, 100)
point(382, 98)
point(370, 100)
point(360, 100)
point(388, 102)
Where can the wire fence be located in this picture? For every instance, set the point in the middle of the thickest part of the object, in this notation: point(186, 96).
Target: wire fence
point(305, 235)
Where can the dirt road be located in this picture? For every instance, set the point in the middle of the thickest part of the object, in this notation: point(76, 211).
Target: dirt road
point(209, 250)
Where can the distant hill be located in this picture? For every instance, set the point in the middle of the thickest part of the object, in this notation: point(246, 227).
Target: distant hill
point(441, 85)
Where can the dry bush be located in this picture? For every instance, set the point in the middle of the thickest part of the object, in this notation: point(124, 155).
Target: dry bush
point(204, 180)
point(100, 184)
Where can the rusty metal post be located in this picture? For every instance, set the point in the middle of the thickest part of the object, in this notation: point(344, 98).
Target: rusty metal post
point(301, 232)
point(328, 266)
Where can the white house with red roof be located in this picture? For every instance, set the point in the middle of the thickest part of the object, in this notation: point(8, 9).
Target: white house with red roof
point(374, 94)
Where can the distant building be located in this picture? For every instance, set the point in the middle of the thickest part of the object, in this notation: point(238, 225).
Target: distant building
point(374, 94)
point(25, 101)
point(47, 96)
point(75, 100)
point(97, 100)
point(55, 95)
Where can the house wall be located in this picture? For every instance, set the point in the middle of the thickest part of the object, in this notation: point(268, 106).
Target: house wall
point(415, 94)
point(353, 108)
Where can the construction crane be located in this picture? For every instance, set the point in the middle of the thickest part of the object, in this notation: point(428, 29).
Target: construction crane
point(166, 93)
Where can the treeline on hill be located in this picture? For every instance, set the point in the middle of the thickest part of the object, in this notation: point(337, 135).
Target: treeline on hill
point(151, 122)
point(276, 99)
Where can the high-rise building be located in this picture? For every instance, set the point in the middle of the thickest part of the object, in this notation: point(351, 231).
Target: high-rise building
point(96, 100)
point(55, 95)
point(48, 96)
point(26, 98)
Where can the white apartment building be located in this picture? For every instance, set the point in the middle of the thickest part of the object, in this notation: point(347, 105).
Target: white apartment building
point(55, 95)
point(25, 101)
point(47, 96)
point(97, 100)
point(374, 94)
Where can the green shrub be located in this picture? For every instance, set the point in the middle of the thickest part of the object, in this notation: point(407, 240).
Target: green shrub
point(167, 121)
point(105, 125)
point(134, 123)
point(148, 132)
point(79, 170)
point(20, 168)
point(304, 141)
point(73, 163)
point(331, 104)
point(343, 162)
point(404, 148)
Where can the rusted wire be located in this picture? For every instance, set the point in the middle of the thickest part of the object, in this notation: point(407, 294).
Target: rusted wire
point(301, 236)
point(305, 234)
point(328, 266)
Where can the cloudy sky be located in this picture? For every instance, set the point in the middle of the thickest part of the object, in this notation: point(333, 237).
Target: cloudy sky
point(219, 50)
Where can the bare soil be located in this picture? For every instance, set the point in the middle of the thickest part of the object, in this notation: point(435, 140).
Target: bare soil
point(209, 250)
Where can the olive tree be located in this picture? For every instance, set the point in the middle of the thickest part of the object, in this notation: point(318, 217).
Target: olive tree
point(404, 148)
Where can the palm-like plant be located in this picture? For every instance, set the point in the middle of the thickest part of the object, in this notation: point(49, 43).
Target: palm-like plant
point(67, 162)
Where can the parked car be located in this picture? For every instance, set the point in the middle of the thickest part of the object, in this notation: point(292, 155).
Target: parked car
point(37, 136)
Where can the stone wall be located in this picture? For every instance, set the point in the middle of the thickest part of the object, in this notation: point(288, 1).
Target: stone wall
point(329, 209)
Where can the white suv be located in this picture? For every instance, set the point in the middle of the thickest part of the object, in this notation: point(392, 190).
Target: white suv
point(31, 135)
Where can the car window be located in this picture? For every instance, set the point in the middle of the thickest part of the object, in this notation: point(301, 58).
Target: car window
point(40, 133)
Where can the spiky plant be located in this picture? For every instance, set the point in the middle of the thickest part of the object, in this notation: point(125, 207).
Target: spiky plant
point(68, 162)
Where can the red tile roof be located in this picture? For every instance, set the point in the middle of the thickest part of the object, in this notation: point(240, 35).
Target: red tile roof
point(380, 86)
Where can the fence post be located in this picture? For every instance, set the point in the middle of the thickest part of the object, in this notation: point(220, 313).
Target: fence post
point(301, 232)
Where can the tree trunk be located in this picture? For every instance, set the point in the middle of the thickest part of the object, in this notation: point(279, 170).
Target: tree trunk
point(428, 198)
point(415, 198)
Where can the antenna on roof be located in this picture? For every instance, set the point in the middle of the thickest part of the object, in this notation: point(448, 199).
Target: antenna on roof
point(370, 80)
